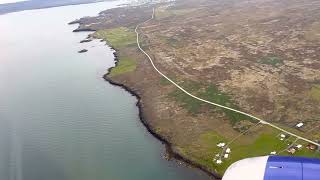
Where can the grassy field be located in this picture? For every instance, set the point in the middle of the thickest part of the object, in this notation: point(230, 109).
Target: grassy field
point(125, 65)
point(304, 151)
point(117, 37)
point(205, 149)
point(210, 93)
point(191, 104)
point(263, 145)
point(315, 93)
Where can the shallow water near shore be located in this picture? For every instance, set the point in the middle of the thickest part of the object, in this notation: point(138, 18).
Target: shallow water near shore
point(59, 119)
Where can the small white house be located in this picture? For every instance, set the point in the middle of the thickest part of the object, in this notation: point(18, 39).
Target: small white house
point(228, 150)
point(282, 135)
point(226, 156)
point(218, 161)
point(273, 153)
point(299, 125)
point(299, 146)
point(221, 145)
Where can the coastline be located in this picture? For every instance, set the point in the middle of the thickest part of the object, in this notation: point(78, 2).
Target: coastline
point(205, 68)
point(169, 149)
point(181, 133)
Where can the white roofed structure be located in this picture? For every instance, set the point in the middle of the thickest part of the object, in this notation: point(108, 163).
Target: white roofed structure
point(299, 125)
point(221, 144)
point(219, 161)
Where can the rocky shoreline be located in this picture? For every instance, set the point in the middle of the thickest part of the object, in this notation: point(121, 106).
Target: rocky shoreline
point(170, 151)
point(190, 42)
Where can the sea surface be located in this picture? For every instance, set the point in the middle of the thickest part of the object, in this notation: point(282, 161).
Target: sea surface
point(59, 120)
point(8, 6)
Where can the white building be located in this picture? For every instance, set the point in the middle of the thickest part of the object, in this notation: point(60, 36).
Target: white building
point(299, 125)
point(221, 145)
point(218, 161)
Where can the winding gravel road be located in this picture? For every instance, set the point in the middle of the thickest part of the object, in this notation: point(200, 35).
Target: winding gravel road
point(209, 102)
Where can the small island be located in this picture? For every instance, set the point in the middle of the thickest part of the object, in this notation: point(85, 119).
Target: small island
point(86, 40)
point(83, 51)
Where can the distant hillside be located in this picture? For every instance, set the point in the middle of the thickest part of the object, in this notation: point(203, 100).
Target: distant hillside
point(39, 4)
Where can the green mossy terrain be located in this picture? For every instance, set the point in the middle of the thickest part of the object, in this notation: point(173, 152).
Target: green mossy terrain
point(117, 37)
point(271, 60)
point(210, 93)
point(163, 81)
point(204, 151)
point(124, 65)
point(315, 93)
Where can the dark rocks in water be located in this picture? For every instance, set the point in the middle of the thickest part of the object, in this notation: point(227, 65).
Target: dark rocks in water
point(80, 29)
point(86, 40)
point(83, 51)
point(74, 22)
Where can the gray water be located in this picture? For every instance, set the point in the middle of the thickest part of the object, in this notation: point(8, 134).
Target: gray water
point(59, 120)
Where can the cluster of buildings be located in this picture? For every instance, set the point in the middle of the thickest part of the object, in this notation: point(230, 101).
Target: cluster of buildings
point(292, 149)
point(225, 154)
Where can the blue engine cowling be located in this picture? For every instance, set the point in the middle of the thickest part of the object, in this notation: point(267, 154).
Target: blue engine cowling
point(274, 168)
